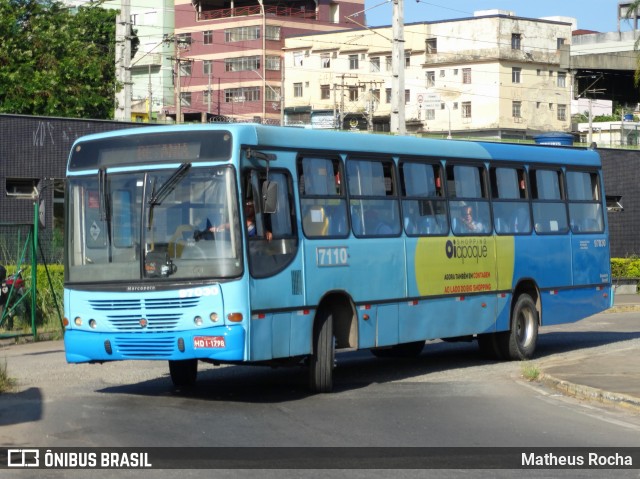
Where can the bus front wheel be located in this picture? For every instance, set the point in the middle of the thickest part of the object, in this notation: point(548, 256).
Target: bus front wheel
point(519, 342)
point(321, 362)
point(183, 373)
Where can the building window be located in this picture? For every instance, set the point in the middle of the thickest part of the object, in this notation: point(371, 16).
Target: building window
point(516, 109)
point(516, 41)
point(235, 95)
point(272, 63)
point(325, 92)
point(466, 109)
point(550, 73)
point(325, 60)
point(432, 45)
point(431, 78)
point(207, 67)
point(376, 95)
point(272, 32)
point(515, 74)
point(185, 68)
point(207, 37)
point(241, 34)
point(455, 72)
point(407, 97)
point(297, 59)
point(561, 42)
point(206, 96)
point(353, 93)
point(562, 112)
point(551, 106)
point(442, 73)
point(407, 60)
point(374, 66)
point(242, 64)
point(353, 62)
point(185, 98)
point(538, 72)
point(466, 75)
point(297, 90)
point(184, 38)
point(562, 79)
point(431, 114)
point(388, 63)
point(272, 93)
point(387, 92)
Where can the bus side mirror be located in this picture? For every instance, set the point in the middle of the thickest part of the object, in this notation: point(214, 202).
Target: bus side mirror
point(269, 197)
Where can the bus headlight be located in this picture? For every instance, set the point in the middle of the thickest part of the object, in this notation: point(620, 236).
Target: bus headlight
point(92, 324)
point(77, 321)
point(197, 320)
point(213, 317)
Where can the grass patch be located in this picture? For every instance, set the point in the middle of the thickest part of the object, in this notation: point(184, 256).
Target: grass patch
point(6, 383)
point(530, 372)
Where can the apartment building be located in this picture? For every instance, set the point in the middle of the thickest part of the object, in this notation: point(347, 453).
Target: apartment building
point(229, 53)
point(491, 75)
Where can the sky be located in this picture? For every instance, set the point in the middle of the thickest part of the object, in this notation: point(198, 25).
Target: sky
point(598, 15)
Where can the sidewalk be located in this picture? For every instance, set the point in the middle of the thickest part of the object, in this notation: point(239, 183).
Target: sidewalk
point(611, 377)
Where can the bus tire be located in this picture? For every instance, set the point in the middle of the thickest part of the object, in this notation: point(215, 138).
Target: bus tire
point(322, 359)
point(519, 342)
point(184, 372)
point(404, 350)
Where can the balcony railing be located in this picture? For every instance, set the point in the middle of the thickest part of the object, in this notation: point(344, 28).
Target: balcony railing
point(255, 10)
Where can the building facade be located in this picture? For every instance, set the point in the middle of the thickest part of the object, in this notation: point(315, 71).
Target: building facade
point(492, 75)
point(228, 53)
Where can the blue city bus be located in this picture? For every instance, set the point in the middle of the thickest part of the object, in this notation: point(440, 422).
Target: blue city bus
point(243, 243)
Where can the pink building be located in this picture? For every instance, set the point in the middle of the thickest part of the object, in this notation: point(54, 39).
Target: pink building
point(230, 53)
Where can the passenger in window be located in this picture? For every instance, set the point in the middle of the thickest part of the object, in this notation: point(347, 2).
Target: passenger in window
point(469, 225)
point(250, 218)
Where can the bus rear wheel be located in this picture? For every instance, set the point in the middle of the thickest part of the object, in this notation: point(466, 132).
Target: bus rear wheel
point(519, 342)
point(183, 373)
point(321, 362)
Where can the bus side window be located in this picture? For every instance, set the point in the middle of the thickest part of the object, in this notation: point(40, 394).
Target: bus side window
point(424, 209)
point(585, 205)
point(549, 208)
point(469, 200)
point(511, 213)
point(373, 199)
point(274, 244)
point(322, 199)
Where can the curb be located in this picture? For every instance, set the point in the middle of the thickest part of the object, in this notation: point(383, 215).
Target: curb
point(625, 308)
point(591, 394)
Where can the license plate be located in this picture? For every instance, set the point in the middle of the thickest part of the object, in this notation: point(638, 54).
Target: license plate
point(207, 342)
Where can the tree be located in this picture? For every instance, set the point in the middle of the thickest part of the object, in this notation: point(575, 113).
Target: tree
point(54, 62)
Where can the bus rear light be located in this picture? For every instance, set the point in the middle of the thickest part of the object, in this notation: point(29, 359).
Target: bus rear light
point(77, 321)
point(65, 322)
point(413, 303)
point(213, 317)
point(235, 317)
point(198, 321)
point(365, 317)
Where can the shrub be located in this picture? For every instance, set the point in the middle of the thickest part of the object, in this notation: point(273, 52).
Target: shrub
point(625, 267)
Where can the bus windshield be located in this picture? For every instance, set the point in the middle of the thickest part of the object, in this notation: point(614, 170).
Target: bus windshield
point(165, 225)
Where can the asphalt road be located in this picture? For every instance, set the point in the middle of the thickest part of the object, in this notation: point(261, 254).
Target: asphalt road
point(449, 396)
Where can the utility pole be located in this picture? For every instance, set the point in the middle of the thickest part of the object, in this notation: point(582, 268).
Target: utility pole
point(398, 125)
point(370, 101)
point(339, 116)
point(123, 63)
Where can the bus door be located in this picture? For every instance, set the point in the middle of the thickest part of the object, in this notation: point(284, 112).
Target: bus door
point(589, 245)
point(277, 330)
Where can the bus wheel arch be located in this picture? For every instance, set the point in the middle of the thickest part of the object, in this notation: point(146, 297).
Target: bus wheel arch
point(334, 327)
point(519, 342)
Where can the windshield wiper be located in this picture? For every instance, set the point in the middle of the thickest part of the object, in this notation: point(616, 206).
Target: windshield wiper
point(159, 195)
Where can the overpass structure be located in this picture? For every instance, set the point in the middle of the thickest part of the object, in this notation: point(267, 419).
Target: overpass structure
point(604, 65)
